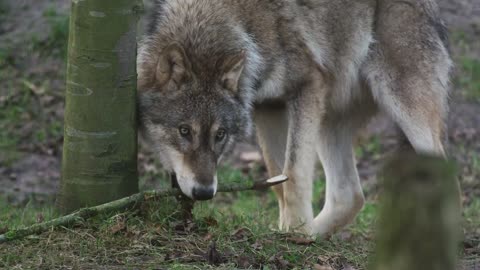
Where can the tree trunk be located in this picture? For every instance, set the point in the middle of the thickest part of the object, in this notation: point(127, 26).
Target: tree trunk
point(420, 213)
point(100, 142)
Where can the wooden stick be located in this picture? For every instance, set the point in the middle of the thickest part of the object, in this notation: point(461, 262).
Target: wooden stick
point(126, 202)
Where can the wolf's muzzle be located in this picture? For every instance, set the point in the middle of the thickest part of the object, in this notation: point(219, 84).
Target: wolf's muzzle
point(199, 192)
point(173, 180)
point(203, 193)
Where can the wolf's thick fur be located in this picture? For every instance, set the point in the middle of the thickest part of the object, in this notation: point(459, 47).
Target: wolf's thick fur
point(309, 73)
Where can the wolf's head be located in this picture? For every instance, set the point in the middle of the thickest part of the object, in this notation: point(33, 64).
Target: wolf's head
point(192, 115)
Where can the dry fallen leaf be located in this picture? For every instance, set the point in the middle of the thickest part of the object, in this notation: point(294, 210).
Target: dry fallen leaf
point(323, 258)
point(244, 261)
point(240, 234)
point(210, 221)
point(279, 261)
point(40, 218)
point(300, 240)
point(257, 246)
point(322, 267)
point(184, 226)
point(213, 256)
point(119, 225)
point(208, 237)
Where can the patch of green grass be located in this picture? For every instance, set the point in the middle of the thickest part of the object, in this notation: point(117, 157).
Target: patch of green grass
point(57, 41)
point(475, 164)
point(15, 108)
point(6, 55)
point(472, 214)
point(366, 219)
point(458, 37)
point(372, 147)
point(319, 187)
point(25, 114)
point(8, 157)
point(13, 217)
point(52, 130)
point(469, 78)
point(242, 225)
point(3, 10)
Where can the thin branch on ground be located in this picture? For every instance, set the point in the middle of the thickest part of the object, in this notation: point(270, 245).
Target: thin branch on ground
point(121, 204)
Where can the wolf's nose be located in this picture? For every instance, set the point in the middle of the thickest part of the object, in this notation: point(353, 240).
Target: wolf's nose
point(203, 193)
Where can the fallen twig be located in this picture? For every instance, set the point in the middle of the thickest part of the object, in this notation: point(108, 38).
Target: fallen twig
point(85, 213)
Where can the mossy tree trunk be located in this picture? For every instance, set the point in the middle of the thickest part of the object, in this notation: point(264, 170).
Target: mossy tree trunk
point(420, 213)
point(100, 142)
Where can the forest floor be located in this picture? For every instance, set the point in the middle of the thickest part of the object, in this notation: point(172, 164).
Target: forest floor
point(33, 40)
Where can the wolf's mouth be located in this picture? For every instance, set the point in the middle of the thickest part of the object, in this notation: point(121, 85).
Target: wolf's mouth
point(197, 192)
point(173, 180)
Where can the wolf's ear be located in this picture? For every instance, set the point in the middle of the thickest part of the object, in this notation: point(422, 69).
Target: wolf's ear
point(232, 69)
point(172, 65)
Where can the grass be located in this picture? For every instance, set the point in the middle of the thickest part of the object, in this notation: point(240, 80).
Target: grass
point(15, 105)
point(6, 56)
point(468, 67)
point(371, 147)
point(242, 226)
point(14, 217)
point(470, 78)
point(471, 225)
point(21, 105)
point(28, 121)
point(3, 10)
point(472, 214)
point(56, 42)
point(31, 92)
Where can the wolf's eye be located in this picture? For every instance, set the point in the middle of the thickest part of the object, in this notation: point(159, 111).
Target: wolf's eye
point(220, 134)
point(184, 130)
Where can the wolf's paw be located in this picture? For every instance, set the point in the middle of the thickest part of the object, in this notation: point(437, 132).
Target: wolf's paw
point(298, 227)
point(294, 221)
point(323, 226)
point(334, 218)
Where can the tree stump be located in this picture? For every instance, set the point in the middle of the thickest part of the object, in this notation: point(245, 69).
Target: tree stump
point(419, 223)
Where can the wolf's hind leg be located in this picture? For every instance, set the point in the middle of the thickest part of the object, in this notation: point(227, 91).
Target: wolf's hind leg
point(408, 71)
point(415, 98)
point(271, 127)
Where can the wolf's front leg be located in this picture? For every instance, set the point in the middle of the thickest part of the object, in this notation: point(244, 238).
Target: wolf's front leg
point(300, 159)
point(271, 123)
point(344, 196)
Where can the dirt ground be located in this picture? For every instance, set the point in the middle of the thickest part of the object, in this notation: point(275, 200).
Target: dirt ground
point(32, 74)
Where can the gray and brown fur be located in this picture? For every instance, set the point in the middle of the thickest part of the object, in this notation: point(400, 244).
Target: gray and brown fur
point(308, 73)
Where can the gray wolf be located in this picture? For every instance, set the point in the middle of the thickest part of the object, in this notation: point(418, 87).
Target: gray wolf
point(308, 73)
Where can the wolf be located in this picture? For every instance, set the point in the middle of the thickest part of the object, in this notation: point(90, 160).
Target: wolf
point(308, 74)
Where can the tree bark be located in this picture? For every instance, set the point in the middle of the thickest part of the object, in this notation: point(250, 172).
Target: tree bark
point(420, 213)
point(100, 143)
